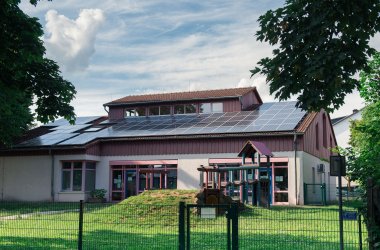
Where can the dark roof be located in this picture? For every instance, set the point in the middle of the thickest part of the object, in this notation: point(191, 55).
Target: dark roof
point(267, 118)
point(254, 146)
point(336, 120)
point(184, 96)
point(339, 119)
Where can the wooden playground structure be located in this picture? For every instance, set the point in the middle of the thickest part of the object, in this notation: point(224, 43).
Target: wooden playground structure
point(248, 183)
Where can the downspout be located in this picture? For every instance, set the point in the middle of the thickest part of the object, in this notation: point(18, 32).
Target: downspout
point(104, 107)
point(52, 175)
point(295, 167)
point(241, 103)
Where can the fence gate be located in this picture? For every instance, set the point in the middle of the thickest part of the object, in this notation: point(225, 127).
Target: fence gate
point(208, 227)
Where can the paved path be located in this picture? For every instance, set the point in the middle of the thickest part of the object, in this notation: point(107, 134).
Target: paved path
point(24, 216)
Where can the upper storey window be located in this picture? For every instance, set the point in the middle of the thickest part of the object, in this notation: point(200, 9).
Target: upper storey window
point(160, 110)
point(215, 107)
point(185, 109)
point(134, 112)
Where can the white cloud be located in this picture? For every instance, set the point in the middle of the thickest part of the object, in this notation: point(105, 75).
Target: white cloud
point(71, 42)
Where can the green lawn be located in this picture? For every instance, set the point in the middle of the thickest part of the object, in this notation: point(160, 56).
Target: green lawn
point(154, 225)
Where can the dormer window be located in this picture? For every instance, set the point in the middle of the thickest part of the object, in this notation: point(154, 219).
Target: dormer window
point(134, 112)
point(185, 109)
point(160, 110)
point(215, 107)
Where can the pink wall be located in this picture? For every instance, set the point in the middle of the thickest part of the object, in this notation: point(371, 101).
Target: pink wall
point(192, 146)
point(310, 137)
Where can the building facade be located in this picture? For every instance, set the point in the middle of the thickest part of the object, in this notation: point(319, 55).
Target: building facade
point(158, 141)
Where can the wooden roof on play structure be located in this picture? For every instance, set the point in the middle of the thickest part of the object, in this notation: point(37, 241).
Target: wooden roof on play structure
point(254, 146)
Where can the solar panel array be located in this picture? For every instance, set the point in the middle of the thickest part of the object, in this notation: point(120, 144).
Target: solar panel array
point(268, 117)
point(79, 121)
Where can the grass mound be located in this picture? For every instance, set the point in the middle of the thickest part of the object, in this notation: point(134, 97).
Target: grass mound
point(150, 208)
point(162, 197)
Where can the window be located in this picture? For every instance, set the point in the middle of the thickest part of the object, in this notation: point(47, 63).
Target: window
point(317, 136)
point(215, 107)
point(78, 176)
point(165, 110)
point(190, 108)
point(179, 109)
point(185, 109)
point(135, 112)
point(154, 110)
point(324, 132)
point(205, 108)
point(140, 111)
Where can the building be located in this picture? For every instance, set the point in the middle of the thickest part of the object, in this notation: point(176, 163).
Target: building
point(341, 127)
point(159, 140)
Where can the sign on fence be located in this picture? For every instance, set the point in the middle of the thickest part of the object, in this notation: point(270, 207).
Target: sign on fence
point(208, 213)
point(350, 215)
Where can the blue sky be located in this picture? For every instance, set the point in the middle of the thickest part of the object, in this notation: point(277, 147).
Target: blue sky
point(112, 48)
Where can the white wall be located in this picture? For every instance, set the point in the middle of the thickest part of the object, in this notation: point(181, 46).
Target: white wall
point(342, 129)
point(342, 134)
point(26, 178)
point(310, 161)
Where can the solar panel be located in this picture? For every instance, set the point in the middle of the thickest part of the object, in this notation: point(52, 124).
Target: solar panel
point(268, 117)
point(78, 121)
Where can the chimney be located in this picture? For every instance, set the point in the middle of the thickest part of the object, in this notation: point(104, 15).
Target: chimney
point(355, 111)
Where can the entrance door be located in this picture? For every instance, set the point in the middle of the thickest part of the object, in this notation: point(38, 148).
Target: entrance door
point(130, 183)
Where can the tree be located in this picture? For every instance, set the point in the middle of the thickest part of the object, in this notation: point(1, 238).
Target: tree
point(370, 80)
point(26, 77)
point(320, 45)
point(365, 136)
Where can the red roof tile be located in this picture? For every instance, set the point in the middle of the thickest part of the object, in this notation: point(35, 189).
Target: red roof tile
point(191, 95)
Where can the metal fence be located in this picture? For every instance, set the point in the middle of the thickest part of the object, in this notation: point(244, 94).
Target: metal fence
point(129, 226)
point(315, 194)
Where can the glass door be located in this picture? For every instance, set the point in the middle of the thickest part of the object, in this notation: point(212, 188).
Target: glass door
point(130, 183)
point(117, 185)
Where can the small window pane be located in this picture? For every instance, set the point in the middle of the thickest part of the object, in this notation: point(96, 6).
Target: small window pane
point(190, 108)
point(164, 110)
point(179, 109)
point(78, 165)
point(172, 179)
point(66, 165)
point(66, 175)
point(281, 197)
point(90, 165)
point(129, 112)
point(140, 111)
point(90, 180)
point(205, 108)
point(217, 107)
point(77, 180)
point(154, 111)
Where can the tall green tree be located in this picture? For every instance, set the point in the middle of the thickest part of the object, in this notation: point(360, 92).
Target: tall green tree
point(319, 47)
point(27, 77)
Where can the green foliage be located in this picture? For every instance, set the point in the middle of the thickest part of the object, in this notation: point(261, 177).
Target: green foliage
point(365, 142)
point(320, 45)
point(370, 80)
point(28, 78)
point(98, 193)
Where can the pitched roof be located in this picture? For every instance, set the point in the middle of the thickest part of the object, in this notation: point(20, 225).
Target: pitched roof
point(336, 120)
point(268, 118)
point(190, 95)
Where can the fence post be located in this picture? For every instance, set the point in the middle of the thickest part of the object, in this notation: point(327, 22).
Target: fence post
point(323, 187)
point(181, 226)
point(370, 212)
point(305, 194)
point(235, 226)
point(360, 231)
point(80, 232)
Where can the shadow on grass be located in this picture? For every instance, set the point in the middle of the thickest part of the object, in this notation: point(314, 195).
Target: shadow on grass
point(108, 239)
